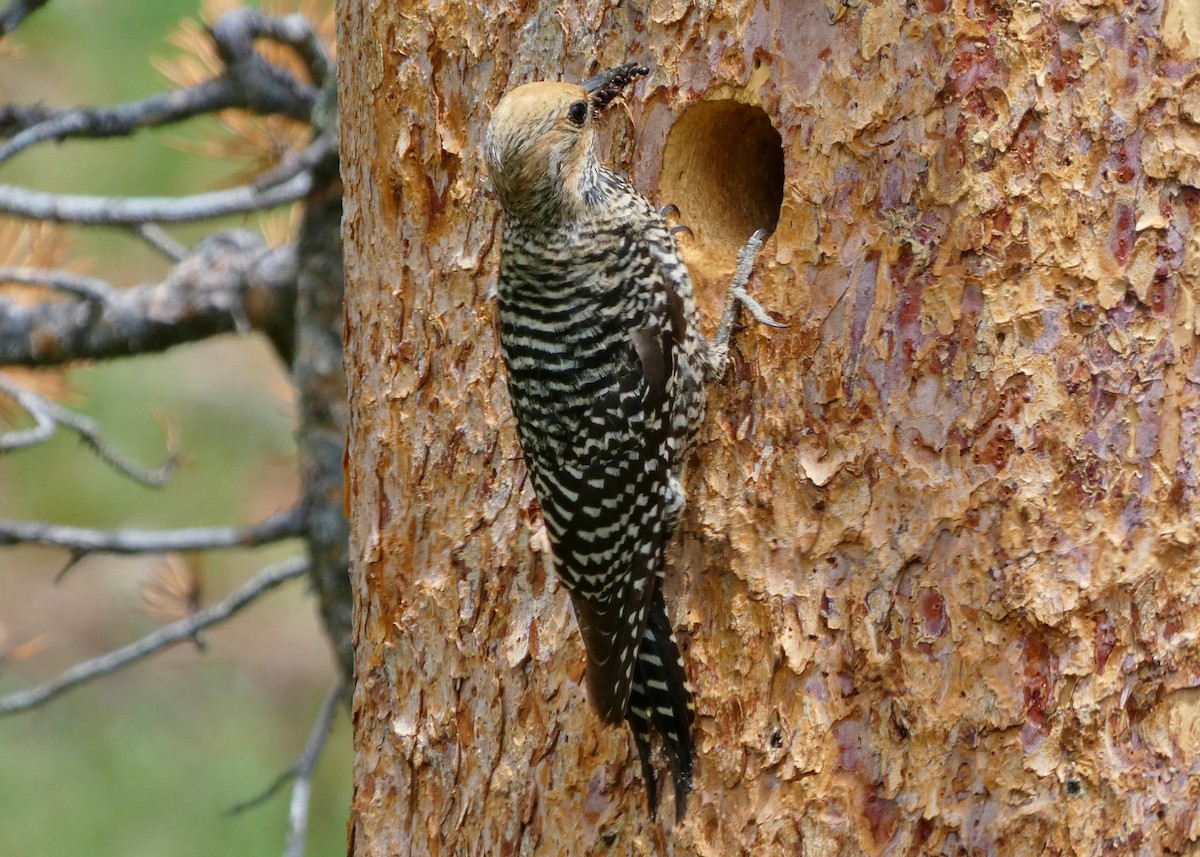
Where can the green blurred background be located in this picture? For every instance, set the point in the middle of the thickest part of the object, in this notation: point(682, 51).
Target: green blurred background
point(147, 762)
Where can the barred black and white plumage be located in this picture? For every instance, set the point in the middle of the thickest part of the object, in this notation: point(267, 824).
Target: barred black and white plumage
point(606, 366)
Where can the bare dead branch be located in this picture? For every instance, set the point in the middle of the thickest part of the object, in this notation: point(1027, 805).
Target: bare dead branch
point(284, 525)
point(306, 765)
point(89, 432)
point(15, 118)
point(249, 82)
point(184, 629)
point(287, 183)
point(163, 108)
point(306, 762)
point(16, 12)
point(127, 210)
point(31, 403)
point(282, 779)
point(73, 560)
point(227, 279)
point(120, 120)
point(161, 240)
point(91, 288)
point(41, 409)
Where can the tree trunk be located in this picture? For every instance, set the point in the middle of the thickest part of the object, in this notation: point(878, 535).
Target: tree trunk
point(935, 578)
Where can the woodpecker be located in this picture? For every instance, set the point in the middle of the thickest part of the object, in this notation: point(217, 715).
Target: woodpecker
point(606, 370)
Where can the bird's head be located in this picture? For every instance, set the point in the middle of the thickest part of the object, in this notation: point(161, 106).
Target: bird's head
point(540, 145)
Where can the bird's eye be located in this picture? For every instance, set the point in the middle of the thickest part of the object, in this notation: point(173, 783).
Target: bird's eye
point(578, 112)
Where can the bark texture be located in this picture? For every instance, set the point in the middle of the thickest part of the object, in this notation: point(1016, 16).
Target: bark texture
point(937, 568)
point(321, 397)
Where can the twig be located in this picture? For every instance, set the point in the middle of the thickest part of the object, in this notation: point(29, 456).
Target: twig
point(89, 432)
point(323, 146)
point(73, 559)
point(307, 760)
point(163, 108)
point(166, 636)
point(161, 240)
point(92, 288)
point(42, 409)
point(31, 403)
point(306, 765)
point(284, 525)
point(16, 12)
point(128, 210)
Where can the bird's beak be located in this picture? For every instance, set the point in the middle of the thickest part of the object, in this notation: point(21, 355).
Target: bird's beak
point(608, 84)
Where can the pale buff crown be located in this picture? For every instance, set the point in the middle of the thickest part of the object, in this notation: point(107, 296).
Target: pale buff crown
point(536, 154)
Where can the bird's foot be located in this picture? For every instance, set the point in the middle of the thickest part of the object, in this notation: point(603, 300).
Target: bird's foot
point(739, 297)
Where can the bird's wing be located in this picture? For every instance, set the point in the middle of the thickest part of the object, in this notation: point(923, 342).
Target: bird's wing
point(606, 513)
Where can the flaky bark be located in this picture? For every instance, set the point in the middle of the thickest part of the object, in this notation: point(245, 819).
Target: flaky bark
point(321, 395)
point(937, 565)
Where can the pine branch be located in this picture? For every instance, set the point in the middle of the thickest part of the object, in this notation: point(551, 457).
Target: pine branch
point(228, 282)
point(184, 629)
point(121, 120)
point(46, 412)
point(248, 82)
point(160, 240)
point(300, 774)
point(303, 770)
point(134, 210)
point(44, 423)
point(284, 525)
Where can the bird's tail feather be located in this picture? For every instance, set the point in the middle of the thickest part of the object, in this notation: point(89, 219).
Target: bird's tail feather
point(661, 701)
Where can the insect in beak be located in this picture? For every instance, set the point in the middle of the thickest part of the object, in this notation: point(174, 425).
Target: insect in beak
point(607, 85)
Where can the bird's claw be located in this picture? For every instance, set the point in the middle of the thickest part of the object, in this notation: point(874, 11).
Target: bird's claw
point(746, 256)
point(739, 297)
point(739, 294)
point(672, 210)
point(745, 266)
